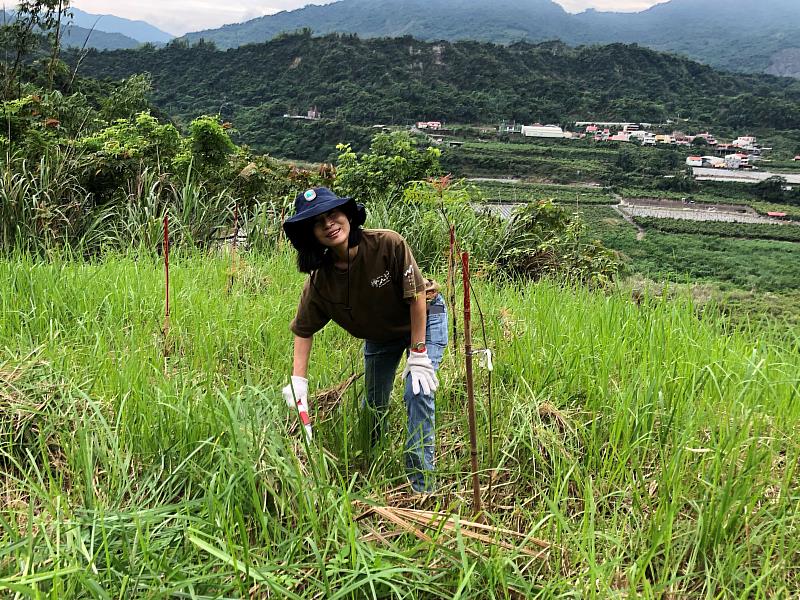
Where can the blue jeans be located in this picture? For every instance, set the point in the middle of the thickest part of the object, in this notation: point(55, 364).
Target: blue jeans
point(380, 365)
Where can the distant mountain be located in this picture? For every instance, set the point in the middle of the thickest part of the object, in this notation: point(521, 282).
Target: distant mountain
point(138, 30)
point(75, 36)
point(105, 32)
point(740, 35)
point(501, 21)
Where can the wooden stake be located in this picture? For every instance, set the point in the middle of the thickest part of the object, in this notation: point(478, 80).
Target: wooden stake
point(473, 434)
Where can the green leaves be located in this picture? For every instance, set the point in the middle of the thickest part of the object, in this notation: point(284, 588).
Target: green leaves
point(394, 160)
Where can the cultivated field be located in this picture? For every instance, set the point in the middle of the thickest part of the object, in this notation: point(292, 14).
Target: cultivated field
point(665, 209)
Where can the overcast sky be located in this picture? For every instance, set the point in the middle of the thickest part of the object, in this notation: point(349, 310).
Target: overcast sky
point(180, 16)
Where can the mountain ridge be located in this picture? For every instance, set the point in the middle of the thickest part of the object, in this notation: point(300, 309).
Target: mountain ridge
point(104, 32)
point(136, 29)
point(739, 35)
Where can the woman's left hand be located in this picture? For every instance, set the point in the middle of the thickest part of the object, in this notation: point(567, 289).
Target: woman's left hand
point(423, 375)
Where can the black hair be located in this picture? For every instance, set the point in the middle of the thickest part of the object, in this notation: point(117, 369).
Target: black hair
point(311, 255)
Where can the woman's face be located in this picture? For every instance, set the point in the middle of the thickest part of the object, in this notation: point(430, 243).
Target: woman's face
point(332, 228)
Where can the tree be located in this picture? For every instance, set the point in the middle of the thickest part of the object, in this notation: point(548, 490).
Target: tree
point(393, 161)
point(129, 98)
point(771, 189)
point(32, 20)
point(208, 148)
point(60, 11)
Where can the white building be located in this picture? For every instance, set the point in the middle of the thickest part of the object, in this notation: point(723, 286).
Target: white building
point(744, 141)
point(542, 131)
point(715, 162)
point(694, 161)
point(647, 138)
point(737, 161)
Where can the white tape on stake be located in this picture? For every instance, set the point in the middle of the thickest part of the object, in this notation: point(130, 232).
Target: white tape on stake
point(486, 358)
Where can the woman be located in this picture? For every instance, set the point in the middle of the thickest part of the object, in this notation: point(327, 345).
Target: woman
point(367, 281)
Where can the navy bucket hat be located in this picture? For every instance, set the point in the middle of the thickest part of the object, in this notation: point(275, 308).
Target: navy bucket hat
point(316, 201)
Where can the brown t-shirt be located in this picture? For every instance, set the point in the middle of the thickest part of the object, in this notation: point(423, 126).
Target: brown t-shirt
point(383, 280)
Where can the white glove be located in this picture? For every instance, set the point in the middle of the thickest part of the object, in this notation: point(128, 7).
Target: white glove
point(298, 397)
point(423, 376)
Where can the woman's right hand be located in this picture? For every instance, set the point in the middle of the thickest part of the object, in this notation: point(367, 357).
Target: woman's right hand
point(296, 396)
point(297, 390)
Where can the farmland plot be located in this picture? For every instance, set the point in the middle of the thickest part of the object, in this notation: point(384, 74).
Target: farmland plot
point(665, 209)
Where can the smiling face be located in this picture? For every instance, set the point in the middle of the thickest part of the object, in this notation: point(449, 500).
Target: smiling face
point(332, 229)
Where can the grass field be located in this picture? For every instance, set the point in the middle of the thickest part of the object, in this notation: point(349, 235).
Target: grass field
point(557, 161)
point(522, 191)
point(653, 446)
point(764, 265)
point(753, 231)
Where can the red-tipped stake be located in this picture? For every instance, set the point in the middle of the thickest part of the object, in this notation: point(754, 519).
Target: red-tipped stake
point(473, 436)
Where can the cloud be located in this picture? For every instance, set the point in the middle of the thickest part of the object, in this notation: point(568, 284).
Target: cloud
point(608, 5)
point(181, 16)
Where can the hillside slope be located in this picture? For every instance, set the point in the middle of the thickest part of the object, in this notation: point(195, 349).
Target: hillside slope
point(402, 79)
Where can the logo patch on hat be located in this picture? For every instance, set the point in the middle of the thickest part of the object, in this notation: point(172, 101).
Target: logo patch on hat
point(309, 195)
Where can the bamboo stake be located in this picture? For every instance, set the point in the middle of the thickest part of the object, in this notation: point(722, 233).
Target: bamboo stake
point(234, 257)
point(166, 287)
point(235, 227)
point(451, 283)
point(473, 436)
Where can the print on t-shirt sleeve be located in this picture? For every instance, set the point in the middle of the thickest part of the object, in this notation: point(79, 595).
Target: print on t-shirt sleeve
point(411, 278)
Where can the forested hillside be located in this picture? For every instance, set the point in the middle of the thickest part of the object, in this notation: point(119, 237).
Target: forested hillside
point(740, 35)
point(364, 82)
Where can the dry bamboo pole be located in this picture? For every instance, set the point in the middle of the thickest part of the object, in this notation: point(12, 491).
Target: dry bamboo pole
point(451, 283)
point(235, 227)
point(473, 435)
point(234, 256)
point(165, 329)
point(166, 274)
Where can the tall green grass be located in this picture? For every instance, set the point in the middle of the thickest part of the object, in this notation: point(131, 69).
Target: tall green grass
point(653, 445)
